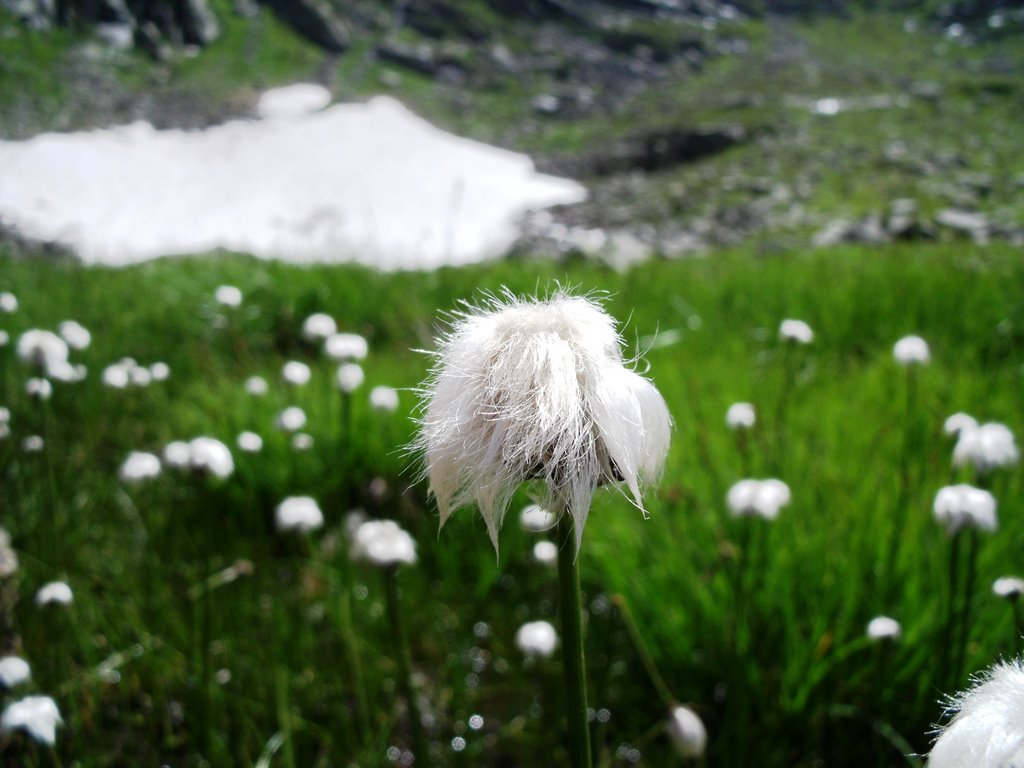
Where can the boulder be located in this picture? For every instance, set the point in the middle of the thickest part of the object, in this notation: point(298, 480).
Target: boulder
point(316, 20)
point(198, 24)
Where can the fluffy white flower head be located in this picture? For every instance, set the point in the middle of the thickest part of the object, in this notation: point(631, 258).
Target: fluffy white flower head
point(302, 441)
point(758, 498)
point(178, 454)
point(209, 455)
point(537, 389)
point(987, 447)
point(55, 592)
point(139, 466)
point(291, 419)
point(384, 543)
point(296, 373)
point(796, 331)
point(345, 346)
point(14, 671)
point(884, 628)
point(350, 377)
point(256, 385)
point(46, 351)
point(159, 371)
point(1010, 587)
point(687, 732)
point(318, 326)
point(76, 335)
point(37, 715)
point(964, 506)
point(249, 442)
point(8, 302)
point(32, 444)
point(298, 513)
point(228, 296)
point(537, 639)
point(41, 389)
point(959, 423)
point(740, 416)
point(534, 517)
point(384, 399)
point(988, 729)
point(911, 350)
point(545, 552)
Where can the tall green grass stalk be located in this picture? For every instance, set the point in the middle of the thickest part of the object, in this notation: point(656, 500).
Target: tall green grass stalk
point(573, 659)
point(419, 740)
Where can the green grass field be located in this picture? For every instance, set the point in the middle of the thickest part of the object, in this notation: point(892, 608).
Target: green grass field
point(161, 660)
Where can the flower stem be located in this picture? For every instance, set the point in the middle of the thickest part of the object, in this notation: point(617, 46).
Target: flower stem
point(641, 649)
point(419, 740)
point(948, 640)
point(572, 645)
point(965, 608)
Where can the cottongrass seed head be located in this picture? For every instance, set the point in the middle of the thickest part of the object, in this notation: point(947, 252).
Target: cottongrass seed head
point(740, 416)
point(383, 543)
point(795, 331)
point(986, 447)
point(56, 592)
point(884, 628)
point(964, 506)
point(1008, 587)
point(537, 639)
point(526, 389)
point(14, 671)
point(298, 513)
point(687, 732)
point(959, 423)
point(36, 715)
point(911, 350)
point(987, 730)
point(758, 498)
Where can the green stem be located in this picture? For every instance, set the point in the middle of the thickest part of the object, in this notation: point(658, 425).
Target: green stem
point(1018, 627)
point(419, 740)
point(284, 716)
point(572, 645)
point(355, 664)
point(641, 649)
point(965, 608)
point(903, 499)
point(948, 640)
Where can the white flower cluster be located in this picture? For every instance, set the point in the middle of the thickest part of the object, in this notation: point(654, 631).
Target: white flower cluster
point(204, 455)
point(383, 543)
point(758, 498)
point(127, 372)
point(48, 353)
point(298, 513)
point(964, 506)
point(985, 447)
point(796, 332)
point(36, 715)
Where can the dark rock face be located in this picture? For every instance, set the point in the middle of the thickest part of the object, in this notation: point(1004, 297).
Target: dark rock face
point(317, 20)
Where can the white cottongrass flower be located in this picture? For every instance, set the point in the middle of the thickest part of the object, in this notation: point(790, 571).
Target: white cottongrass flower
point(5, 430)
point(959, 423)
point(37, 715)
point(8, 557)
point(41, 389)
point(964, 506)
point(8, 302)
point(76, 335)
point(758, 498)
point(159, 371)
point(318, 326)
point(47, 352)
point(139, 376)
point(987, 730)
point(384, 399)
point(884, 628)
point(911, 350)
point(14, 671)
point(345, 346)
point(740, 416)
point(987, 447)
point(545, 552)
point(56, 592)
point(687, 732)
point(256, 386)
point(534, 517)
point(302, 441)
point(139, 466)
point(528, 389)
point(32, 444)
point(5, 415)
point(537, 639)
point(228, 296)
point(116, 376)
point(296, 373)
point(178, 454)
point(5, 338)
point(350, 377)
point(383, 543)
point(1009, 587)
point(298, 513)
point(796, 331)
point(249, 442)
point(291, 419)
point(210, 456)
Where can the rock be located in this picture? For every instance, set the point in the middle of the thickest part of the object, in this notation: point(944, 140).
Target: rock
point(546, 104)
point(419, 58)
point(903, 221)
point(118, 36)
point(35, 14)
point(866, 230)
point(317, 20)
point(149, 39)
point(198, 24)
point(964, 223)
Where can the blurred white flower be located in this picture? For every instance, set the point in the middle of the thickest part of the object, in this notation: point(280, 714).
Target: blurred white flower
point(758, 498)
point(256, 385)
point(178, 454)
point(295, 373)
point(987, 730)
point(350, 376)
point(116, 376)
point(5, 338)
point(687, 732)
point(537, 389)
point(345, 346)
point(291, 419)
point(964, 506)
point(47, 352)
point(740, 416)
point(37, 715)
point(302, 441)
point(32, 444)
point(534, 517)
point(139, 376)
point(5, 415)
point(959, 423)
point(8, 302)
point(796, 331)
point(911, 350)
point(545, 552)
point(5, 430)
point(57, 592)
point(384, 398)
point(318, 326)
point(250, 442)
point(14, 671)
point(76, 335)
point(1010, 587)
point(159, 371)
point(139, 466)
point(228, 296)
point(8, 557)
point(884, 628)
point(384, 543)
point(987, 447)
point(41, 389)
point(537, 639)
point(209, 455)
point(298, 513)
